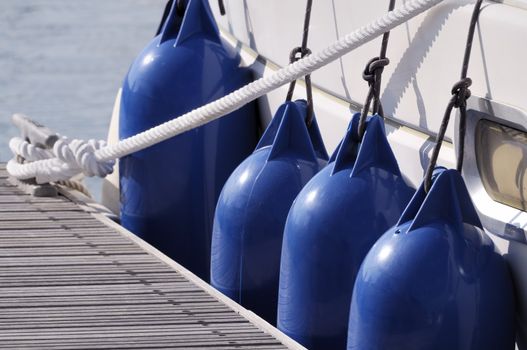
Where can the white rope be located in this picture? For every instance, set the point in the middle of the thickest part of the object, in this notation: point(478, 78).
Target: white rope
point(93, 158)
point(28, 151)
point(67, 159)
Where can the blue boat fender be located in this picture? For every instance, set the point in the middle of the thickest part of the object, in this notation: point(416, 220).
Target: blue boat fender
point(169, 191)
point(435, 280)
point(253, 206)
point(332, 224)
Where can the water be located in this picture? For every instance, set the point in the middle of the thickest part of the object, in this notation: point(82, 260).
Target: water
point(62, 62)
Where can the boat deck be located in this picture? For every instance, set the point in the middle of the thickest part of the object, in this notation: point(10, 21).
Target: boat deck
point(71, 279)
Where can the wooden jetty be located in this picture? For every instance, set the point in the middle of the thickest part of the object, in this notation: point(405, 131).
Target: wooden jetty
point(70, 278)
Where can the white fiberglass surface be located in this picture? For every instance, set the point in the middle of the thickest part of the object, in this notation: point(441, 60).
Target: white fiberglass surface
point(425, 53)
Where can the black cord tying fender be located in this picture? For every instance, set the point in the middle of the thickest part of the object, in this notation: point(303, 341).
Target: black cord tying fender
point(298, 53)
point(221, 5)
point(460, 94)
point(372, 74)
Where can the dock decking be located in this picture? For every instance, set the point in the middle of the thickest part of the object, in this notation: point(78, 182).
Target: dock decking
point(72, 280)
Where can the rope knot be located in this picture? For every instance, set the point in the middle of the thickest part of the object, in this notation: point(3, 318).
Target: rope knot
point(461, 92)
point(85, 157)
point(62, 150)
point(81, 154)
point(297, 53)
point(374, 69)
point(372, 73)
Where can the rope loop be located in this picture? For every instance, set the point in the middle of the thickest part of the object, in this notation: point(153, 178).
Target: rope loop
point(374, 69)
point(82, 154)
point(461, 92)
point(298, 53)
point(372, 73)
point(295, 55)
point(26, 151)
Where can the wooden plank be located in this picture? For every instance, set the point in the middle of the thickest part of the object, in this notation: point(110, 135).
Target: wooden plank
point(27, 199)
point(181, 299)
point(66, 242)
point(43, 224)
point(79, 232)
point(165, 342)
point(148, 345)
point(38, 207)
point(122, 288)
point(40, 215)
point(83, 270)
point(68, 261)
point(143, 308)
point(187, 331)
point(134, 315)
point(76, 251)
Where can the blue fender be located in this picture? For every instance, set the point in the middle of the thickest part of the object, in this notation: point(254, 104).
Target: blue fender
point(332, 224)
point(434, 281)
point(253, 206)
point(169, 191)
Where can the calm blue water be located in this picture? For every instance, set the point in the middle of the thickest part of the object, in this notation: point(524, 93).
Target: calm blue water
point(62, 61)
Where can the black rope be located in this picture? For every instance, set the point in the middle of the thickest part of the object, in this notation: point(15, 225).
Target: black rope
point(221, 5)
point(460, 94)
point(373, 74)
point(298, 53)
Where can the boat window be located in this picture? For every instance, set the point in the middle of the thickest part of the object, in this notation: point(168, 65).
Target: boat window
point(501, 154)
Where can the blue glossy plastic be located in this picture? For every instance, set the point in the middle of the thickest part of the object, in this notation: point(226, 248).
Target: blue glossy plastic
point(434, 281)
point(331, 226)
point(169, 191)
point(253, 207)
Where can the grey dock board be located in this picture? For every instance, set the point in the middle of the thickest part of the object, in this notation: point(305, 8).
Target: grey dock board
point(70, 279)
